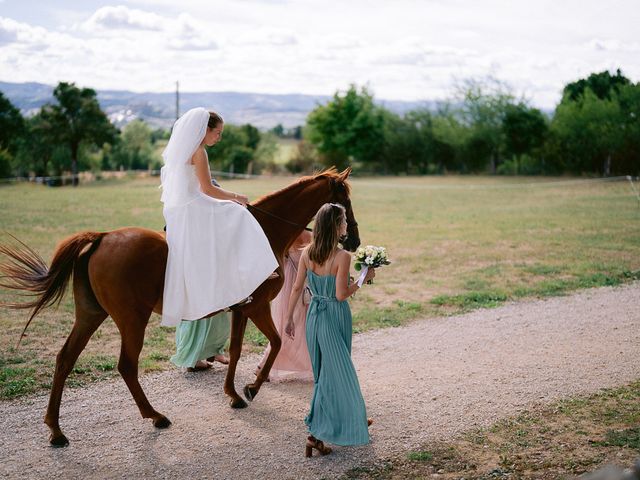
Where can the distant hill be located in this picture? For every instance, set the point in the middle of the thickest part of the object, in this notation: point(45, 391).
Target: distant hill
point(159, 109)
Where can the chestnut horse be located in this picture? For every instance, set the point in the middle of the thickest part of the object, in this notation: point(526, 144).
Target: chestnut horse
point(121, 274)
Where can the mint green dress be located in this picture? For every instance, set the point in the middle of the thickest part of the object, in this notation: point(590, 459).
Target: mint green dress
point(338, 414)
point(200, 339)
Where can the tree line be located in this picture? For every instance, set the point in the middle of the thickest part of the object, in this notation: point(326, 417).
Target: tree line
point(483, 128)
point(73, 134)
point(595, 129)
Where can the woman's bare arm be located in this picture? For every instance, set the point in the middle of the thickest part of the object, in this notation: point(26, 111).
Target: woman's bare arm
point(203, 173)
point(343, 289)
point(296, 291)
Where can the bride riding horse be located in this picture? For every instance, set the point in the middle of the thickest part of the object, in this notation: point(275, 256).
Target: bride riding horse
point(121, 274)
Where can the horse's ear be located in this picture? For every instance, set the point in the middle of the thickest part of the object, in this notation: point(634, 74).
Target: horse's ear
point(345, 173)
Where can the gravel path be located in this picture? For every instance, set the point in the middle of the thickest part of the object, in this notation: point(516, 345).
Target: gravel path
point(426, 381)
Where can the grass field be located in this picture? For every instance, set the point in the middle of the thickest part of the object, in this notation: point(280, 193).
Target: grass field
point(456, 243)
point(557, 441)
point(286, 149)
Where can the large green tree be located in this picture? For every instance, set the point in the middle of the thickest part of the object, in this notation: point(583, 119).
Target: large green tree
point(348, 128)
point(410, 146)
point(77, 118)
point(38, 147)
point(134, 151)
point(628, 158)
point(525, 131)
point(601, 84)
point(11, 125)
point(235, 152)
point(596, 126)
point(12, 131)
point(483, 107)
point(589, 130)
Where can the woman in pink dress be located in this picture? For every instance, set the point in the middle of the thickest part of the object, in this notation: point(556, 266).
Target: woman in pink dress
point(292, 362)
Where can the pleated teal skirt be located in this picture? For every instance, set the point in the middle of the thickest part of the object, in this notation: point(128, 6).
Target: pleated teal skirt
point(337, 414)
point(200, 339)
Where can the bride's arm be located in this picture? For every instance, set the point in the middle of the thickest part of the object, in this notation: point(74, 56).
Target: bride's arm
point(203, 173)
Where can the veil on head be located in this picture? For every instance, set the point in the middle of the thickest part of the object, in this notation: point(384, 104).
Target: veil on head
point(187, 134)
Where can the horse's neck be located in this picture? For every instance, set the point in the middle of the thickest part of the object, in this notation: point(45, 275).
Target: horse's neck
point(279, 231)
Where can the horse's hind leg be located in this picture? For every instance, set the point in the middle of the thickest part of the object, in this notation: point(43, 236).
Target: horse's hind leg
point(132, 327)
point(81, 332)
point(89, 316)
point(238, 325)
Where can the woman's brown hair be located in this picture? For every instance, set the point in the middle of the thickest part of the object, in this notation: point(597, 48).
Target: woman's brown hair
point(326, 232)
point(214, 120)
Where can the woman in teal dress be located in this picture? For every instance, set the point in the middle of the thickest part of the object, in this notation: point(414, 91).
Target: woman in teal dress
point(200, 342)
point(337, 413)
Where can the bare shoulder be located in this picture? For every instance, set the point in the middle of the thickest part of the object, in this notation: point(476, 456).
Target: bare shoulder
point(343, 257)
point(305, 237)
point(304, 256)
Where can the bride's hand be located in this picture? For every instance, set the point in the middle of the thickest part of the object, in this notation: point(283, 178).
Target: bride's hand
point(241, 199)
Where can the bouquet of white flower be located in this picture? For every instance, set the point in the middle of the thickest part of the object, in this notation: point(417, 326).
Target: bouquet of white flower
point(370, 257)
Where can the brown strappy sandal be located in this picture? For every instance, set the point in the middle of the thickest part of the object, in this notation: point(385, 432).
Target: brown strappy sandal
point(312, 443)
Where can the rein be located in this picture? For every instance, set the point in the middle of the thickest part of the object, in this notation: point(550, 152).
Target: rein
point(266, 212)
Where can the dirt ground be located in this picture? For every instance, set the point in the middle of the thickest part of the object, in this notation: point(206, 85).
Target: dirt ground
point(423, 382)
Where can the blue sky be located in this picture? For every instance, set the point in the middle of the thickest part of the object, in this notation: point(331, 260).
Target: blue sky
point(405, 49)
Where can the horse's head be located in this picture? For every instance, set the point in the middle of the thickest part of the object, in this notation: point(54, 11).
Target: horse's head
point(340, 193)
point(295, 206)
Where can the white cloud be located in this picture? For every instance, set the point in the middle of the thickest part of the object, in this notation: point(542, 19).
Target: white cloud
point(187, 33)
point(20, 33)
point(266, 37)
point(121, 17)
point(613, 45)
point(8, 31)
point(408, 49)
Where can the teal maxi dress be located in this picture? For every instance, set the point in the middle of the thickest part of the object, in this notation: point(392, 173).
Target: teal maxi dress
point(200, 339)
point(337, 414)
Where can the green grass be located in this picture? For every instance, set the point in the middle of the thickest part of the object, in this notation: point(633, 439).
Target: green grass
point(420, 456)
point(456, 243)
point(471, 300)
point(627, 438)
point(368, 318)
point(557, 441)
point(17, 381)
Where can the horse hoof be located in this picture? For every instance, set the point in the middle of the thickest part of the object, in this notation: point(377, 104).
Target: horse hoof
point(250, 392)
point(162, 422)
point(59, 441)
point(238, 403)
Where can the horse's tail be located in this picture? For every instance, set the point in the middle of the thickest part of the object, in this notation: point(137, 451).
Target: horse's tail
point(26, 271)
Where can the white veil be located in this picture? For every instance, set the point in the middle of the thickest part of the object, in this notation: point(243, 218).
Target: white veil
point(187, 134)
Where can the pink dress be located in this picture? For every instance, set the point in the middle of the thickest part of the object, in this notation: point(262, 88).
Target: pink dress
point(293, 361)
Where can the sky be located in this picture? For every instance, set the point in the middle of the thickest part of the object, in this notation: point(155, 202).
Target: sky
point(400, 49)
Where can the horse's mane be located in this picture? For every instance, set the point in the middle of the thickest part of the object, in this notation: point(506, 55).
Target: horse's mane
point(330, 172)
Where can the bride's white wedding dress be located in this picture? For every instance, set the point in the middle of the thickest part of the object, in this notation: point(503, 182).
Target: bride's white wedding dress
point(218, 253)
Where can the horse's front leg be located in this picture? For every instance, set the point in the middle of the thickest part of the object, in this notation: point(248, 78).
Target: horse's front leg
point(238, 326)
point(261, 317)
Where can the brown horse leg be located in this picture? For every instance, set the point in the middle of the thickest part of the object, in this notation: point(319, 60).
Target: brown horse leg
point(264, 322)
point(89, 316)
point(132, 332)
point(238, 326)
point(85, 325)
